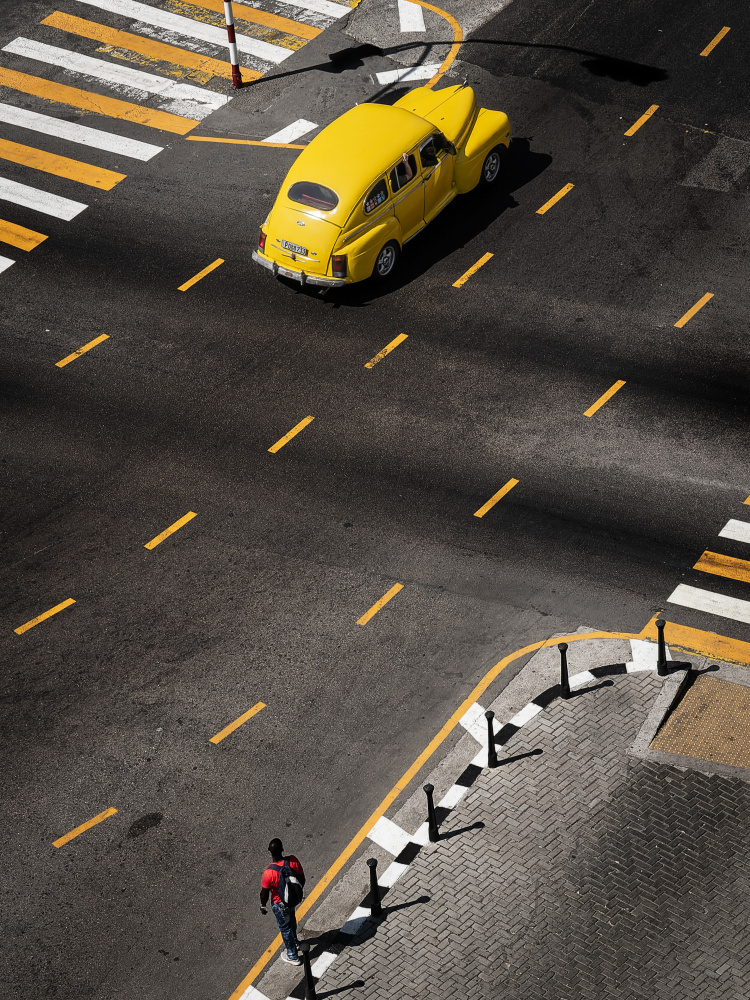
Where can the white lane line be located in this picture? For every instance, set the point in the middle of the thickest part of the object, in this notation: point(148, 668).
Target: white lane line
point(356, 919)
point(526, 714)
point(391, 875)
point(711, 603)
point(192, 29)
point(183, 98)
point(323, 962)
point(738, 531)
point(411, 16)
point(81, 134)
point(409, 73)
point(39, 201)
point(292, 132)
point(5, 263)
point(390, 837)
point(453, 796)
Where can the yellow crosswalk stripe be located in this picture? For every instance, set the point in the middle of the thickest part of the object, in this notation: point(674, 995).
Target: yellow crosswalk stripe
point(19, 236)
point(61, 166)
point(245, 13)
point(109, 106)
point(145, 46)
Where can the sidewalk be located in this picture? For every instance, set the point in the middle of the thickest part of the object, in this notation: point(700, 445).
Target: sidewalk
point(594, 862)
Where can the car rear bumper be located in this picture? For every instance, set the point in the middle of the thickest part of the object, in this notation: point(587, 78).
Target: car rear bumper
point(301, 276)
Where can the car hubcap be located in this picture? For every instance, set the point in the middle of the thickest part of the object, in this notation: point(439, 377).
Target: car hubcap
point(491, 167)
point(386, 260)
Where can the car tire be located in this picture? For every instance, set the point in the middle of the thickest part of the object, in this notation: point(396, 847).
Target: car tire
point(493, 165)
point(386, 260)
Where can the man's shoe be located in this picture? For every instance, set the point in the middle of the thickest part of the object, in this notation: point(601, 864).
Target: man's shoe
point(291, 961)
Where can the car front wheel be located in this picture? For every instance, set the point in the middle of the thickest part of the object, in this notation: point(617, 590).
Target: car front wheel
point(493, 163)
point(385, 262)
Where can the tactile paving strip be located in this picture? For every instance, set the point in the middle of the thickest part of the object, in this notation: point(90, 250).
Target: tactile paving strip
point(712, 722)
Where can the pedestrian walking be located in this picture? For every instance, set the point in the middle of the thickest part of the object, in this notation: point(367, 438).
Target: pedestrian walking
point(283, 881)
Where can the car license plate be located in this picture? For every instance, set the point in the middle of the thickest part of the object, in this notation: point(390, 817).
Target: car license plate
point(294, 247)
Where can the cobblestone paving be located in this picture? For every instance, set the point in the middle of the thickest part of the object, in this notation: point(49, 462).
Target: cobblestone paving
point(593, 876)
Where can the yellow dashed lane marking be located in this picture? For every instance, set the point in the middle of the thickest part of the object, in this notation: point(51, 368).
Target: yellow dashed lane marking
point(380, 604)
point(694, 309)
point(290, 434)
point(720, 565)
point(60, 166)
point(472, 270)
point(81, 350)
point(387, 350)
point(714, 42)
point(43, 617)
point(642, 120)
point(256, 16)
point(237, 723)
point(498, 496)
point(603, 399)
point(109, 106)
point(61, 841)
point(554, 199)
point(170, 530)
point(145, 46)
point(201, 274)
point(19, 236)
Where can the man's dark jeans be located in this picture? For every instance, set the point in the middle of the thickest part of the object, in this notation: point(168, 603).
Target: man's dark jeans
point(287, 922)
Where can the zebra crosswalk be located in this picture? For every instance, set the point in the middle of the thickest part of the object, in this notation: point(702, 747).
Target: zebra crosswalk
point(717, 564)
point(148, 67)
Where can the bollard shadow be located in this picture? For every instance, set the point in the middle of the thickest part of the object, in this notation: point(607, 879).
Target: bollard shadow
point(457, 833)
point(711, 668)
point(519, 756)
point(577, 692)
point(357, 984)
point(387, 910)
point(674, 665)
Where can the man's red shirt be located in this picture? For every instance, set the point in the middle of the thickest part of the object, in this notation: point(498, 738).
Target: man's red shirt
point(271, 877)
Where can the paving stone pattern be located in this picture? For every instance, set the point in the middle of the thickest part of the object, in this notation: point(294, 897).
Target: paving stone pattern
point(593, 875)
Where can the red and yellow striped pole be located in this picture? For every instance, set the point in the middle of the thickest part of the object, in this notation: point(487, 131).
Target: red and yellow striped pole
point(233, 56)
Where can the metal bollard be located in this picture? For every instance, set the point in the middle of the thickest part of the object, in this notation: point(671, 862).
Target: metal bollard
point(432, 825)
point(376, 910)
point(491, 751)
point(310, 993)
point(564, 682)
point(661, 660)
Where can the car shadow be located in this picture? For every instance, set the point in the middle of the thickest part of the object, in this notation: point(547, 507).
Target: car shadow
point(458, 225)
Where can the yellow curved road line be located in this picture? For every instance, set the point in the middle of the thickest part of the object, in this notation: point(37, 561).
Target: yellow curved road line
point(418, 764)
point(458, 37)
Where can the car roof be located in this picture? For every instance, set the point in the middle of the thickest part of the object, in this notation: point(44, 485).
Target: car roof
point(353, 151)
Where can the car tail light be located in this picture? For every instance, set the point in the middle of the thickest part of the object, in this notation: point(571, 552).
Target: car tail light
point(262, 241)
point(338, 265)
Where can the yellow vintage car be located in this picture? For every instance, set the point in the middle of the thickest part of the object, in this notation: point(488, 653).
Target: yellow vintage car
point(373, 179)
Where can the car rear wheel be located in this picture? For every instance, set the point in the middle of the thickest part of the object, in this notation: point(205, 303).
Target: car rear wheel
point(385, 262)
point(493, 164)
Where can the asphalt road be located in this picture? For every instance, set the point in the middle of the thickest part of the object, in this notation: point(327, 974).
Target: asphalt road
point(111, 703)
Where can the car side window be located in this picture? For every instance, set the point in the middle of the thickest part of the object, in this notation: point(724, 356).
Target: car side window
point(428, 153)
point(401, 174)
point(376, 197)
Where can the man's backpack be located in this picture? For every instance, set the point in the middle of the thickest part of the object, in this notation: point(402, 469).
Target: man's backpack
point(290, 886)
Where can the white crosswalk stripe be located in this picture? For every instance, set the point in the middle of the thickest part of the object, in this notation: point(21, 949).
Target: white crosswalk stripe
point(738, 531)
point(5, 263)
point(182, 98)
point(711, 603)
point(39, 201)
point(192, 29)
point(77, 133)
point(319, 7)
point(425, 72)
point(291, 132)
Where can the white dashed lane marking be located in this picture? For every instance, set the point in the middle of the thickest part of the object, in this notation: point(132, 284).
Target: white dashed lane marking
point(291, 132)
point(409, 73)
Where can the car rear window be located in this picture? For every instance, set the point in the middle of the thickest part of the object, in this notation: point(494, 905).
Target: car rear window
point(314, 195)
